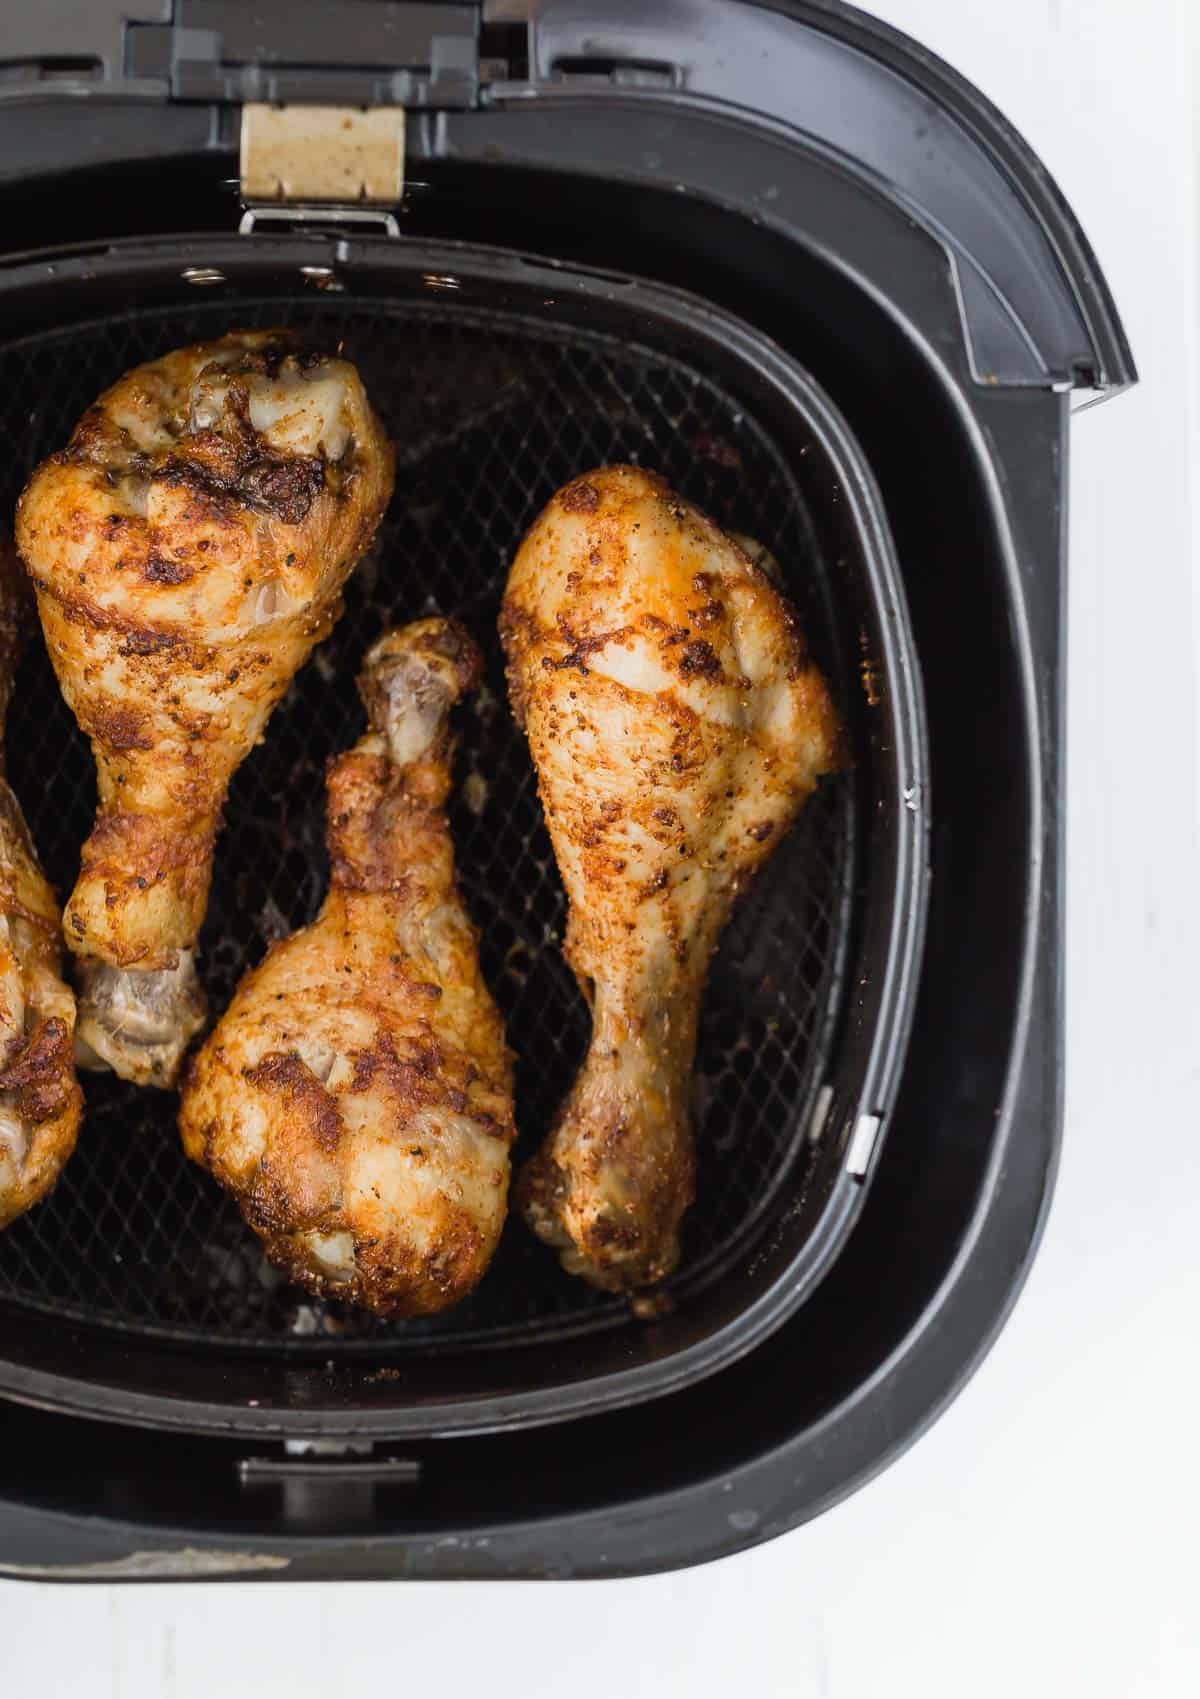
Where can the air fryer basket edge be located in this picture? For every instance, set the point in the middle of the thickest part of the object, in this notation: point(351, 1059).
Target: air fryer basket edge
point(879, 1022)
point(774, 1486)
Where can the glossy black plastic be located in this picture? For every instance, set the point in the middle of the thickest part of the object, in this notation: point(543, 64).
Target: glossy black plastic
point(941, 1248)
point(856, 274)
point(561, 1372)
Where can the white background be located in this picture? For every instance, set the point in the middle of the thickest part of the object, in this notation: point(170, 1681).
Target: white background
point(1041, 1540)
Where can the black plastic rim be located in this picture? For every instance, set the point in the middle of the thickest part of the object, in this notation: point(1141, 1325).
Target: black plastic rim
point(893, 930)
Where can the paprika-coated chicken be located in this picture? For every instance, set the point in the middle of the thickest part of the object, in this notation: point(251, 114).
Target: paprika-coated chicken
point(40, 1100)
point(676, 727)
point(188, 548)
point(356, 1097)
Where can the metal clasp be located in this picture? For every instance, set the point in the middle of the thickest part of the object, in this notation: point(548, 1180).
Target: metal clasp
point(322, 165)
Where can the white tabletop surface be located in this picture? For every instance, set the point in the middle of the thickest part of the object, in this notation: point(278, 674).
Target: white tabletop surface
point(1041, 1539)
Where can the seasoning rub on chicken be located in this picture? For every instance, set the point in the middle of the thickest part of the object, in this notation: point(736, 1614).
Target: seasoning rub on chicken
point(677, 727)
point(40, 1100)
point(356, 1097)
point(188, 548)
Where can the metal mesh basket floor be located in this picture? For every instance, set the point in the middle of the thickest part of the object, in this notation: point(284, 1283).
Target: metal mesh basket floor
point(490, 414)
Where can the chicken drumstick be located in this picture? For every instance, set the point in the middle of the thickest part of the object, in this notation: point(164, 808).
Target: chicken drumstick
point(356, 1097)
point(188, 549)
point(676, 728)
point(40, 1100)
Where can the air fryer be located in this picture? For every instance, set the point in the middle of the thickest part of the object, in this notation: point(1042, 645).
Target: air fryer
point(781, 255)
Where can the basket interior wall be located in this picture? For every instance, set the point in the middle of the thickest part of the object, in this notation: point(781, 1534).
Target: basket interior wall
point(490, 413)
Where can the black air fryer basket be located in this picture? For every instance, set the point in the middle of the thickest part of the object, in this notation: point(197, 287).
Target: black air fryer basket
point(780, 255)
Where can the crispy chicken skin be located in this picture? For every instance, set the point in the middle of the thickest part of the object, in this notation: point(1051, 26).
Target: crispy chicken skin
point(40, 1100)
point(356, 1097)
point(188, 548)
point(676, 727)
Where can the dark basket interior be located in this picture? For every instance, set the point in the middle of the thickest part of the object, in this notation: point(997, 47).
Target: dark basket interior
point(491, 413)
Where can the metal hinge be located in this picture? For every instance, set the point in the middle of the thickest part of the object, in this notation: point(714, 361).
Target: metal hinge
point(326, 1460)
point(322, 1481)
point(321, 164)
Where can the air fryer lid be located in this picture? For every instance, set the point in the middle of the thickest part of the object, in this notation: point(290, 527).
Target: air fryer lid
point(797, 113)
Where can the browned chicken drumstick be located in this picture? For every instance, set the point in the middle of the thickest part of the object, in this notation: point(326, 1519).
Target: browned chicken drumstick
point(40, 1100)
point(188, 548)
point(676, 728)
point(356, 1097)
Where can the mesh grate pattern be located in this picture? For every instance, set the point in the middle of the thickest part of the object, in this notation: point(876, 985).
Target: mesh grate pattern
point(490, 416)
